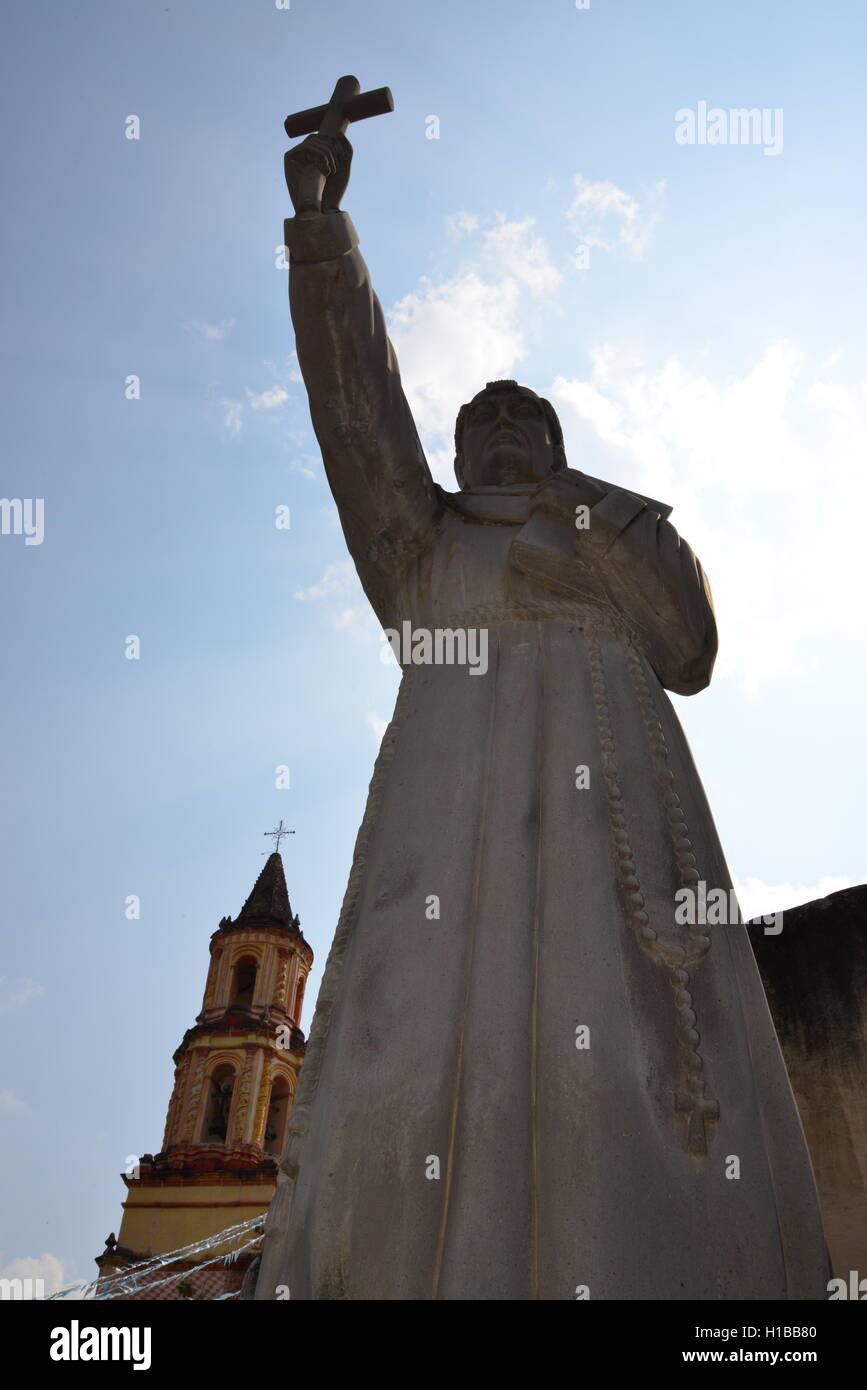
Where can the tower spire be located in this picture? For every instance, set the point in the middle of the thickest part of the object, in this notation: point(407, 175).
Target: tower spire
point(269, 900)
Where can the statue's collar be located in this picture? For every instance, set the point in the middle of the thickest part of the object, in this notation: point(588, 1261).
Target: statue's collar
point(510, 506)
point(507, 506)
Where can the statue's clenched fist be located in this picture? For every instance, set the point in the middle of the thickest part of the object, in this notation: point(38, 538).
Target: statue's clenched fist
point(317, 172)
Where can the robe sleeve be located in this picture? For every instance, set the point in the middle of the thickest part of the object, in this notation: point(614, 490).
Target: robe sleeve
point(657, 582)
point(373, 458)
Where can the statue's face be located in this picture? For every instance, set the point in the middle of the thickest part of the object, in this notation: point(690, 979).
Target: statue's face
point(506, 441)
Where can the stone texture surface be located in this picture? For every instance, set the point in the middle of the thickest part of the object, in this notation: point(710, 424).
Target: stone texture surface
point(815, 974)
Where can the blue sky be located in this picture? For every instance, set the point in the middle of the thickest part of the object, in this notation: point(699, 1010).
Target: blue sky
point(710, 353)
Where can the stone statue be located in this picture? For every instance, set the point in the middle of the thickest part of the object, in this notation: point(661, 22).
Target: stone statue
point(527, 1076)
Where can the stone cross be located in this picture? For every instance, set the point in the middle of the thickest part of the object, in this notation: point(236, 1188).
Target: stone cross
point(348, 103)
point(699, 1110)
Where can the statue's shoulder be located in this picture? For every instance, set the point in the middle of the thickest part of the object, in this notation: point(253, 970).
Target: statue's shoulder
point(663, 509)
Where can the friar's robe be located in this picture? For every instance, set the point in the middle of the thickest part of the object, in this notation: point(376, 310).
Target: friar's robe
point(539, 1089)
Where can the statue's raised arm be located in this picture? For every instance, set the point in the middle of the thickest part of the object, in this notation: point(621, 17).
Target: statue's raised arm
point(370, 447)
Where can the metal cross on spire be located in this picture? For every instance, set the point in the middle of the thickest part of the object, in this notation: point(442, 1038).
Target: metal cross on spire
point(277, 834)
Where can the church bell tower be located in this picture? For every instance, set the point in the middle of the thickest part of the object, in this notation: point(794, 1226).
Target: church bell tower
point(236, 1072)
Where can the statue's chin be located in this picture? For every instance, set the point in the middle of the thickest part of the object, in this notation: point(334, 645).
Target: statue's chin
point(507, 471)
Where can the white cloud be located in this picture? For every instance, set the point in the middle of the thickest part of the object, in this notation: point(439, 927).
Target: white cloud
point(267, 400)
point(340, 581)
point(453, 336)
point(673, 422)
point(729, 456)
point(358, 621)
point(757, 898)
point(830, 395)
point(298, 466)
point(16, 998)
point(378, 725)
point(10, 1104)
point(511, 248)
point(47, 1267)
point(337, 579)
point(450, 339)
point(601, 214)
point(462, 223)
point(211, 332)
point(232, 411)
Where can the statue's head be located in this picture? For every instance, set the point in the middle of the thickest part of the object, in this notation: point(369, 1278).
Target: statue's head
point(507, 435)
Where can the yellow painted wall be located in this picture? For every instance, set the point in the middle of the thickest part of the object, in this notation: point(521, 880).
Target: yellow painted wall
point(159, 1219)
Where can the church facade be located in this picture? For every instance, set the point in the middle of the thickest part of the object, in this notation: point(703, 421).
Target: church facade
point(236, 1073)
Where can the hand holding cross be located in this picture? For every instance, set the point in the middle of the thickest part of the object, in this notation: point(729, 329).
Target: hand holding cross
point(317, 170)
